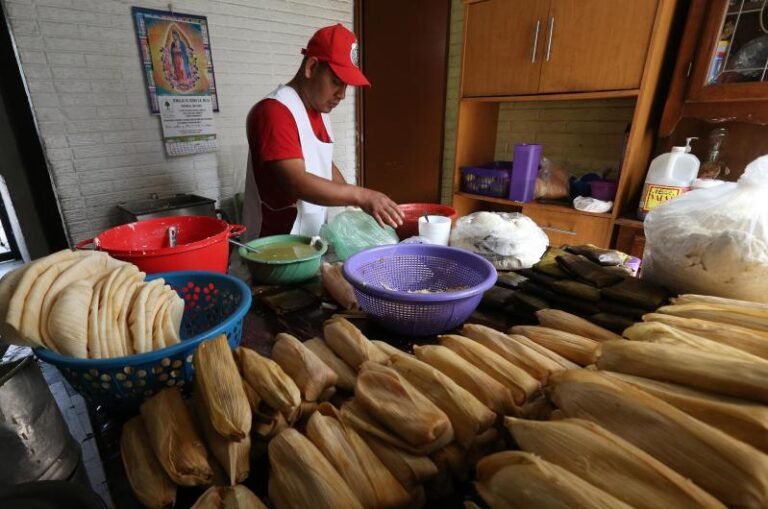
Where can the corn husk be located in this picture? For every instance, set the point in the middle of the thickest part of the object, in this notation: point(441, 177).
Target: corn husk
point(410, 470)
point(489, 442)
point(469, 417)
point(689, 367)
point(253, 397)
point(656, 332)
point(233, 456)
point(578, 349)
point(338, 287)
point(517, 380)
point(388, 349)
point(364, 473)
point(743, 338)
point(218, 383)
point(302, 478)
point(149, 482)
point(744, 420)
point(481, 385)
point(174, 438)
point(534, 363)
point(453, 458)
point(546, 352)
point(732, 471)
point(399, 406)
point(271, 383)
point(310, 373)
point(742, 316)
point(690, 298)
point(268, 428)
point(350, 344)
point(566, 322)
point(610, 463)
point(345, 375)
point(234, 497)
point(520, 480)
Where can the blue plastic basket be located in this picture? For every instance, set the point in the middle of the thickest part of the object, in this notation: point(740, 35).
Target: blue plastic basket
point(419, 289)
point(214, 304)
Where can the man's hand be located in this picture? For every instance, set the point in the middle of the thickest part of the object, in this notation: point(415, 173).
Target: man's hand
point(378, 205)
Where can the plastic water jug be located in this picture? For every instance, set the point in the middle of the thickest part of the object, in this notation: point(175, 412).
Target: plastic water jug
point(670, 175)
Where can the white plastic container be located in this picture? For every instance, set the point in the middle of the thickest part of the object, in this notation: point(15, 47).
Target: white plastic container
point(437, 230)
point(670, 175)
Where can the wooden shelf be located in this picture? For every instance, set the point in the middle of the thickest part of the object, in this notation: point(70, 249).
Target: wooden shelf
point(631, 223)
point(572, 96)
point(530, 204)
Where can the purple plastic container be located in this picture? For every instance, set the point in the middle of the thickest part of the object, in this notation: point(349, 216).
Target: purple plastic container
point(491, 179)
point(419, 289)
point(525, 168)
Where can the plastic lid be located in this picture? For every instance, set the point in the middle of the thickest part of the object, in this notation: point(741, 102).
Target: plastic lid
point(679, 149)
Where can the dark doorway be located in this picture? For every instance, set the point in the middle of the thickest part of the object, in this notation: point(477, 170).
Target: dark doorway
point(401, 117)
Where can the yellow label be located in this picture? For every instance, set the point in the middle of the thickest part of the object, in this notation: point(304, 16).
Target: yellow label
point(655, 195)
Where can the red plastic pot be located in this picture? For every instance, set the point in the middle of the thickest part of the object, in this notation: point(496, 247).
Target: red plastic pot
point(202, 243)
point(413, 211)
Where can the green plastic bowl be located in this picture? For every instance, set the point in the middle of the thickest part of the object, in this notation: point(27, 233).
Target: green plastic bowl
point(281, 272)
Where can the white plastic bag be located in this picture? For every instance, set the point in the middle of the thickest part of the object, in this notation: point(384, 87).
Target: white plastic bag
point(508, 240)
point(713, 241)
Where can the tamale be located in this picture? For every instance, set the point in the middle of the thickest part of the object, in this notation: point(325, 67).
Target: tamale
point(574, 305)
point(616, 308)
point(576, 289)
point(365, 474)
point(495, 298)
point(744, 420)
point(595, 254)
point(232, 456)
point(749, 340)
point(548, 264)
point(743, 316)
point(469, 417)
point(489, 442)
point(410, 470)
point(350, 344)
point(288, 301)
point(346, 376)
point(174, 438)
point(690, 298)
point(311, 374)
point(271, 383)
point(388, 349)
point(539, 290)
point(686, 366)
point(528, 302)
point(268, 428)
point(657, 332)
point(581, 350)
point(536, 364)
point(580, 267)
point(253, 397)
point(517, 380)
point(609, 463)
point(636, 292)
point(218, 383)
point(511, 280)
point(301, 477)
point(338, 287)
point(523, 480)
point(149, 482)
point(546, 352)
point(535, 276)
point(538, 409)
point(482, 386)
point(610, 321)
point(732, 471)
point(399, 406)
point(453, 458)
point(228, 497)
point(566, 322)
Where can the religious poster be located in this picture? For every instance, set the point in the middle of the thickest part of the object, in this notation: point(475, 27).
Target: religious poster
point(176, 55)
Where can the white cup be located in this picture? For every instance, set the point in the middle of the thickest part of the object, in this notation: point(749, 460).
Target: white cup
point(437, 230)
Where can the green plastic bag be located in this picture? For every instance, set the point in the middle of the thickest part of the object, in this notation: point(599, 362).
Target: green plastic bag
point(354, 230)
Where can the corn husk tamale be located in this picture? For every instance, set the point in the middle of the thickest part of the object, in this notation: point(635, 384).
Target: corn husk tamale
point(410, 470)
point(217, 382)
point(690, 298)
point(576, 289)
point(482, 386)
point(233, 456)
point(732, 471)
point(310, 373)
point(546, 352)
point(517, 380)
point(399, 406)
point(469, 417)
point(346, 377)
point(488, 443)
point(744, 420)
point(338, 287)
point(388, 349)
point(657, 332)
point(228, 497)
point(270, 427)
point(742, 316)
point(743, 338)
point(301, 477)
point(453, 458)
point(536, 364)
point(636, 292)
point(578, 349)
point(610, 463)
point(253, 397)
point(566, 322)
point(149, 482)
point(520, 480)
point(365, 474)
point(689, 367)
point(174, 438)
point(350, 344)
point(271, 383)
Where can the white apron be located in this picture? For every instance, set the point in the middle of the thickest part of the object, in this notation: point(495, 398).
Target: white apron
point(318, 160)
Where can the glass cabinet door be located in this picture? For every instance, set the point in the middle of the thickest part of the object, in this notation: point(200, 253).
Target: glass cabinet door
point(740, 53)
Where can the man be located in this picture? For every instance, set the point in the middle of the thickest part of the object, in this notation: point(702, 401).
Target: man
point(291, 177)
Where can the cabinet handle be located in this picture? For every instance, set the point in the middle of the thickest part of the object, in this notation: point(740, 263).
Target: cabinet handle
point(549, 37)
point(558, 230)
point(535, 41)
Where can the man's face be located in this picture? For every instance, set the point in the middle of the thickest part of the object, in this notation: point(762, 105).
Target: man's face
point(325, 90)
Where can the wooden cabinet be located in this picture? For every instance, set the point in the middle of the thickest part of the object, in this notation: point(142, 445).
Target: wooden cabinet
point(563, 227)
point(518, 47)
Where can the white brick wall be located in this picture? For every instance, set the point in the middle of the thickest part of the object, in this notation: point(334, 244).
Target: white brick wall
point(81, 63)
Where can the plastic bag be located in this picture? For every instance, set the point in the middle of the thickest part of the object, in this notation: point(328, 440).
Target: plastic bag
point(592, 204)
point(713, 241)
point(510, 241)
point(551, 181)
point(354, 230)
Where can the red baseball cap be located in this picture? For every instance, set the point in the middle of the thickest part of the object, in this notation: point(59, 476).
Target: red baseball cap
point(338, 46)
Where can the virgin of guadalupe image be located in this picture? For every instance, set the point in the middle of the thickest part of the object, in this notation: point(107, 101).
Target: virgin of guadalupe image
point(178, 59)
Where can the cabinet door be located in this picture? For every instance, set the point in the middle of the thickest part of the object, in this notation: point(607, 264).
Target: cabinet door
point(596, 44)
point(503, 47)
